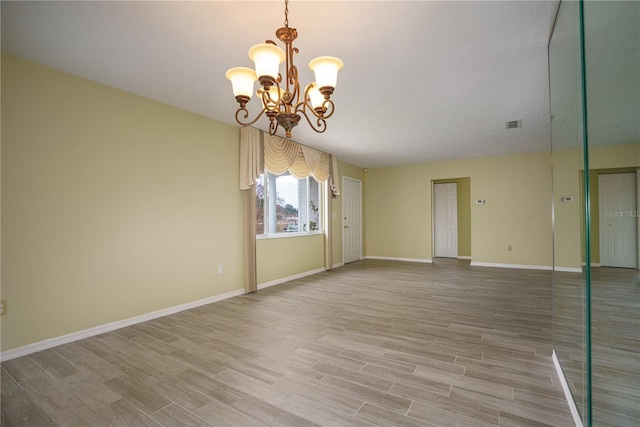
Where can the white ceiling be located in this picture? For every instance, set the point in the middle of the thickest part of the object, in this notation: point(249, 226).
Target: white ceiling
point(423, 81)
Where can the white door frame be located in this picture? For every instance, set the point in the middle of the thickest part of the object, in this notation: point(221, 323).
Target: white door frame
point(344, 226)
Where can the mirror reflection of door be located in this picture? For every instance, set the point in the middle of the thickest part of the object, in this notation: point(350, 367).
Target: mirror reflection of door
point(445, 202)
point(618, 210)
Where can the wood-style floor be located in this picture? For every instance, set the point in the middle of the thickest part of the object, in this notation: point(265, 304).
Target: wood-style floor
point(615, 336)
point(373, 343)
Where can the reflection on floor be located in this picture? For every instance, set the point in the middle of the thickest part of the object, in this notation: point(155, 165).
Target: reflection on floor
point(615, 320)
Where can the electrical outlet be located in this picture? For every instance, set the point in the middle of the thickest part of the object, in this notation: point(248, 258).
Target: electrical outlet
point(220, 269)
point(3, 307)
point(510, 248)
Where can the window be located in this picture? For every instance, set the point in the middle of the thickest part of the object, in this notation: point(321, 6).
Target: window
point(286, 205)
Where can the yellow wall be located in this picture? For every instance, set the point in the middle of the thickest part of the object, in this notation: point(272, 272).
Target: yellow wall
point(287, 256)
point(113, 205)
point(517, 190)
point(567, 218)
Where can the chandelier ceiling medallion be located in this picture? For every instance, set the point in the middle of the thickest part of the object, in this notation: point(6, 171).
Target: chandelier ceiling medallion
point(282, 101)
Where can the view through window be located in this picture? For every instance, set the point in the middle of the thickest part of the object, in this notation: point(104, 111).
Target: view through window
point(285, 204)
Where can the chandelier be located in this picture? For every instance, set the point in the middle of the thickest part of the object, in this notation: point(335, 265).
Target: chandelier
point(282, 101)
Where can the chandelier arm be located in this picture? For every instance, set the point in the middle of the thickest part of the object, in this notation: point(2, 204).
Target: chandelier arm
point(273, 127)
point(269, 105)
point(321, 124)
point(292, 79)
point(246, 115)
point(329, 108)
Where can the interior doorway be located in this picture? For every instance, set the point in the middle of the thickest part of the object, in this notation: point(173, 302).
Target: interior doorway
point(445, 220)
point(618, 211)
point(351, 219)
point(463, 219)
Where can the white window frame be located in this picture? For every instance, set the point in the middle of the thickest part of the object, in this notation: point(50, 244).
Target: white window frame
point(268, 234)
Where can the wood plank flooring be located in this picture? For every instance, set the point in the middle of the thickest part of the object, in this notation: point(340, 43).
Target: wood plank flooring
point(615, 307)
point(373, 343)
point(615, 334)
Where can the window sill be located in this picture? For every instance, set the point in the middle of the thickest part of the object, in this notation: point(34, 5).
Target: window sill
point(287, 235)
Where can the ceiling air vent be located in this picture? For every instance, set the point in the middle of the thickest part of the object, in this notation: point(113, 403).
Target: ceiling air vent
point(513, 124)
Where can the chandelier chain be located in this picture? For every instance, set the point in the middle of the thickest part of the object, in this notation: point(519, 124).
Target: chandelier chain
point(286, 13)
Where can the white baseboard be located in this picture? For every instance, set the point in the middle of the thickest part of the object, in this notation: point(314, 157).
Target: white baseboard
point(338, 265)
point(568, 269)
point(464, 257)
point(86, 333)
point(593, 264)
point(289, 278)
point(424, 261)
point(521, 266)
point(567, 392)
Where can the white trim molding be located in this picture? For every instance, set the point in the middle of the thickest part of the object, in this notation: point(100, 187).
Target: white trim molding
point(87, 333)
point(464, 257)
point(340, 264)
point(521, 266)
point(593, 264)
point(386, 258)
point(289, 278)
point(568, 269)
point(577, 420)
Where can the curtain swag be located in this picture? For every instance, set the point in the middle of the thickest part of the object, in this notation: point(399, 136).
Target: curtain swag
point(259, 150)
point(282, 155)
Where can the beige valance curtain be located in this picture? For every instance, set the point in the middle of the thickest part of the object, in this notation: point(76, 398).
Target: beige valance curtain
point(282, 155)
point(259, 150)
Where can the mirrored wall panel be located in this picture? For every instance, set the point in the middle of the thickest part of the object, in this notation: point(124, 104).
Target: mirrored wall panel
point(612, 81)
point(568, 204)
point(594, 65)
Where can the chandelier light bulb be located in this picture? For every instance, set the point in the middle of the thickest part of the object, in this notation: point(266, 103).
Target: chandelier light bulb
point(326, 72)
point(267, 58)
point(242, 79)
point(315, 96)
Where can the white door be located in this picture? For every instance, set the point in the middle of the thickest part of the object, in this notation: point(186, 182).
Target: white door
point(445, 223)
point(618, 211)
point(352, 219)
